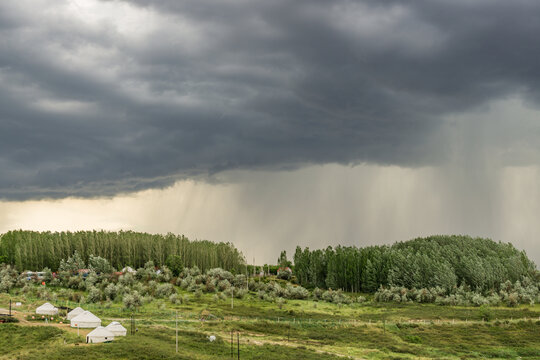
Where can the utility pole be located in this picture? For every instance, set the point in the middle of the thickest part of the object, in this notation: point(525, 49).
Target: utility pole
point(10, 307)
point(177, 331)
point(289, 333)
point(232, 298)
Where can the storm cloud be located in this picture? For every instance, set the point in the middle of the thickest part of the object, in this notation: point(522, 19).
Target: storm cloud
point(105, 97)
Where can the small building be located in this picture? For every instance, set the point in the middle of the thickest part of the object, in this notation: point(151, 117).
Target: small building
point(117, 329)
point(85, 320)
point(34, 275)
point(99, 335)
point(78, 310)
point(128, 269)
point(83, 272)
point(47, 309)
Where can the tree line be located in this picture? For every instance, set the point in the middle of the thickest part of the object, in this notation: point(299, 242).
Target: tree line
point(31, 250)
point(435, 261)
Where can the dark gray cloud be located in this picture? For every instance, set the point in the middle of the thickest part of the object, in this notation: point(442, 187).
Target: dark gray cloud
point(102, 97)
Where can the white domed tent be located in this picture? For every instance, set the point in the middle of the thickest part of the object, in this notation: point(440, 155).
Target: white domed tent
point(99, 335)
point(128, 269)
point(78, 310)
point(85, 320)
point(116, 328)
point(47, 309)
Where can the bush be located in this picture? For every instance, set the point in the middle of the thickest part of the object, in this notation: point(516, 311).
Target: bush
point(111, 291)
point(126, 279)
point(284, 274)
point(43, 293)
point(99, 265)
point(317, 294)
point(74, 282)
point(164, 290)
point(239, 281)
point(220, 274)
point(211, 286)
point(132, 300)
point(240, 293)
point(175, 299)
point(94, 295)
point(5, 285)
point(296, 292)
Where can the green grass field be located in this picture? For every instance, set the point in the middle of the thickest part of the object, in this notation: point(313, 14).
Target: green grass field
point(301, 329)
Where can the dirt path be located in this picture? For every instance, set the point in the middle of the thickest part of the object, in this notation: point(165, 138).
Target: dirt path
point(65, 326)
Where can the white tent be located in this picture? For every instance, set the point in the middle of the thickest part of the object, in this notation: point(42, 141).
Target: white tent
point(116, 328)
point(128, 269)
point(99, 335)
point(47, 309)
point(78, 310)
point(85, 320)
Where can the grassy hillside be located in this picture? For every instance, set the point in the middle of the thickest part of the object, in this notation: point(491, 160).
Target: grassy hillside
point(296, 329)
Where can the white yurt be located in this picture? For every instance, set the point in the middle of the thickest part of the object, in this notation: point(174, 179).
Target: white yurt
point(99, 335)
point(116, 328)
point(78, 310)
point(47, 309)
point(85, 320)
point(128, 269)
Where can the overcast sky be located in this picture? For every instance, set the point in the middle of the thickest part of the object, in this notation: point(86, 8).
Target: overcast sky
point(272, 123)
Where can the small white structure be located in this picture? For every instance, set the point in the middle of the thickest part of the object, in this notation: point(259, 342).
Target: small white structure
point(116, 328)
point(78, 310)
point(128, 269)
point(47, 309)
point(212, 338)
point(85, 320)
point(99, 335)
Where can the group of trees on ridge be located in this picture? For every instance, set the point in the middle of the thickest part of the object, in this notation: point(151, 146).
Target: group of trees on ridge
point(436, 261)
point(31, 250)
point(444, 262)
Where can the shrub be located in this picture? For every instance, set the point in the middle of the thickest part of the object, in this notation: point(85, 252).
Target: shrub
point(132, 300)
point(111, 291)
point(94, 295)
point(223, 285)
point(5, 285)
point(239, 281)
point(175, 299)
point(317, 294)
point(211, 286)
point(284, 274)
point(99, 265)
point(220, 274)
point(43, 293)
point(74, 282)
point(164, 290)
point(296, 292)
point(240, 293)
point(165, 274)
point(126, 279)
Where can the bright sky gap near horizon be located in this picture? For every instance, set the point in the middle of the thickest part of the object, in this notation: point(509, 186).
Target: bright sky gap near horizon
point(272, 124)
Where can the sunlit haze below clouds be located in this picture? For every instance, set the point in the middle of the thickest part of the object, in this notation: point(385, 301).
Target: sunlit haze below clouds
point(264, 212)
